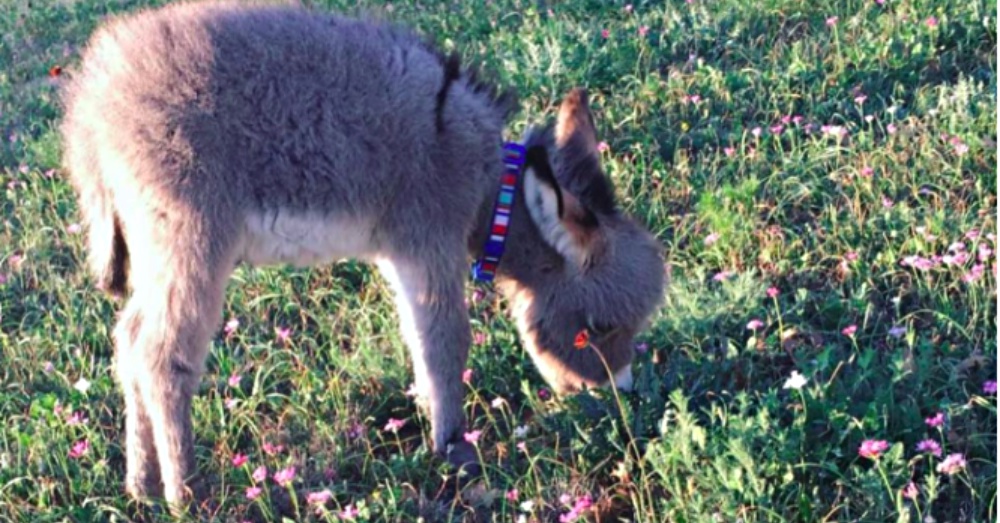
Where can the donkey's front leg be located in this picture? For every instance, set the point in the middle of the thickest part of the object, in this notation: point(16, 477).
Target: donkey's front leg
point(435, 325)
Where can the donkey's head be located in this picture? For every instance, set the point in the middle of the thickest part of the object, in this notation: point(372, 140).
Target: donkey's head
point(584, 279)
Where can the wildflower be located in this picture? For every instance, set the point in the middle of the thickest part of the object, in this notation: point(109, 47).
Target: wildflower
point(643, 31)
point(603, 147)
point(931, 22)
point(393, 425)
point(467, 376)
point(711, 238)
point(961, 149)
point(797, 119)
point(910, 491)
point(284, 477)
point(253, 493)
point(891, 128)
point(756, 132)
point(231, 326)
point(511, 495)
point(319, 497)
point(240, 459)
point(972, 234)
point(869, 118)
point(48, 368)
point(544, 394)
point(234, 380)
point(867, 172)
point(850, 330)
point(642, 348)
point(231, 403)
point(283, 334)
point(872, 449)
point(473, 436)
point(936, 420)
point(356, 430)
point(628, 8)
point(73, 228)
point(723, 275)
point(776, 129)
point(832, 21)
point(79, 449)
point(271, 449)
point(929, 446)
point(77, 418)
point(897, 331)
point(796, 381)
point(860, 99)
point(957, 246)
point(990, 387)
point(729, 151)
point(23, 169)
point(259, 474)
point(952, 464)
point(605, 34)
point(851, 256)
point(82, 385)
point(786, 119)
point(521, 431)
point(983, 253)
point(974, 274)
point(349, 512)
point(887, 202)
point(772, 292)
point(522, 446)
point(527, 506)
point(754, 324)
point(49, 173)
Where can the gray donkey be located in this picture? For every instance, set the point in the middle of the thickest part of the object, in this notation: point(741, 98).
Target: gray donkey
point(199, 136)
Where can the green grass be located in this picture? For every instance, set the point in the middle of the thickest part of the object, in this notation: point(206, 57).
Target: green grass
point(710, 434)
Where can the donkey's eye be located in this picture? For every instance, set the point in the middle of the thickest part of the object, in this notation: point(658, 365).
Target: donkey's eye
point(600, 330)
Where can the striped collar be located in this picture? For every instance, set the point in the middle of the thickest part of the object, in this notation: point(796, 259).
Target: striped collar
point(484, 269)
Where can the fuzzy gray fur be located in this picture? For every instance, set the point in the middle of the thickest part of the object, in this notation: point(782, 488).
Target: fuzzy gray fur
point(199, 136)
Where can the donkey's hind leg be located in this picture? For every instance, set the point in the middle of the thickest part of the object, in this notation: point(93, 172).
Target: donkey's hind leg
point(180, 276)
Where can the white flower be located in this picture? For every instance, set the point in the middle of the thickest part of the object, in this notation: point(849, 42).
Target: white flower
point(795, 381)
point(521, 432)
point(82, 385)
point(527, 506)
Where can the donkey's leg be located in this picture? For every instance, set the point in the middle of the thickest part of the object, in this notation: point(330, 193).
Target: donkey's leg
point(142, 468)
point(179, 288)
point(435, 325)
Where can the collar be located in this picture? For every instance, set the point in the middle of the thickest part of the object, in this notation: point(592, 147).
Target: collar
point(484, 269)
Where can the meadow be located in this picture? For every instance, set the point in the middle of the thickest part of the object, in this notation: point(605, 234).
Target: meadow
point(822, 175)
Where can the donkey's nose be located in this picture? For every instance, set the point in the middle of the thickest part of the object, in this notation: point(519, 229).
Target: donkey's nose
point(623, 378)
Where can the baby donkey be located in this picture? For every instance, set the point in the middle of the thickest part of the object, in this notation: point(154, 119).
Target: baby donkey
point(203, 135)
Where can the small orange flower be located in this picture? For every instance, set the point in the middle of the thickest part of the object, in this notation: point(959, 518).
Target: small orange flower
point(55, 71)
point(582, 339)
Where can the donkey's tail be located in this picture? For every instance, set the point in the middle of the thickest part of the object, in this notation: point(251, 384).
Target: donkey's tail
point(107, 251)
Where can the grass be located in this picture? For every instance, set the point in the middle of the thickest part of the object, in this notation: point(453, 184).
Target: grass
point(855, 212)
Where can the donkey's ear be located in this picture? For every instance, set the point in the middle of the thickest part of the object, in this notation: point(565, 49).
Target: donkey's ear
point(565, 223)
point(579, 164)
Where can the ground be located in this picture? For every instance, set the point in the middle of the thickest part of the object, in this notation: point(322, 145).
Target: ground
point(821, 174)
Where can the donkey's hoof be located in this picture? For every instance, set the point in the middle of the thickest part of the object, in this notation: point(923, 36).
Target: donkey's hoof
point(463, 456)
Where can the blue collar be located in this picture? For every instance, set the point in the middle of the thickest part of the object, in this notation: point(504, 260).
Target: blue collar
point(484, 269)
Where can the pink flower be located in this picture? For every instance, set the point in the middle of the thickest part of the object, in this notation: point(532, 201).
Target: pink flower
point(773, 292)
point(544, 394)
point(711, 238)
point(467, 376)
point(952, 464)
point(972, 234)
point(77, 418)
point(271, 449)
point(860, 99)
point(605, 34)
point(851, 256)
point(284, 477)
point(234, 380)
point(231, 403)
point(754, 324)
point(472, 437)
point(259, 474)
point(797, 119)
point(891, 128)
point(79, 449)
point(479, 338)
point(522, 446)
point(867, 171)
point(974, 274)
point(283, 334)
point(253, 493)
point(73, 228)
point(393, 425)
point(910, 491)
point(643, 31)
point(931, 22)
point(832, 21)
point(929, 446)
point(729, 151)
point(777, 129)
point(603, 147)
point(787, 119)
point(872, 449)
point(723, 275)
point(319, 497)
point(349, 512)
point(511, 495)
point(231, 326)
point(628, 8)
point(936, 420)
point(48, 367)
point(990, 387)
point(642, 348)
point(240, 459)
point(849, 330)
point(887, 202)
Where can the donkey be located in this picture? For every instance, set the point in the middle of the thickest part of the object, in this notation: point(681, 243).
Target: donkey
point(200, 136)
